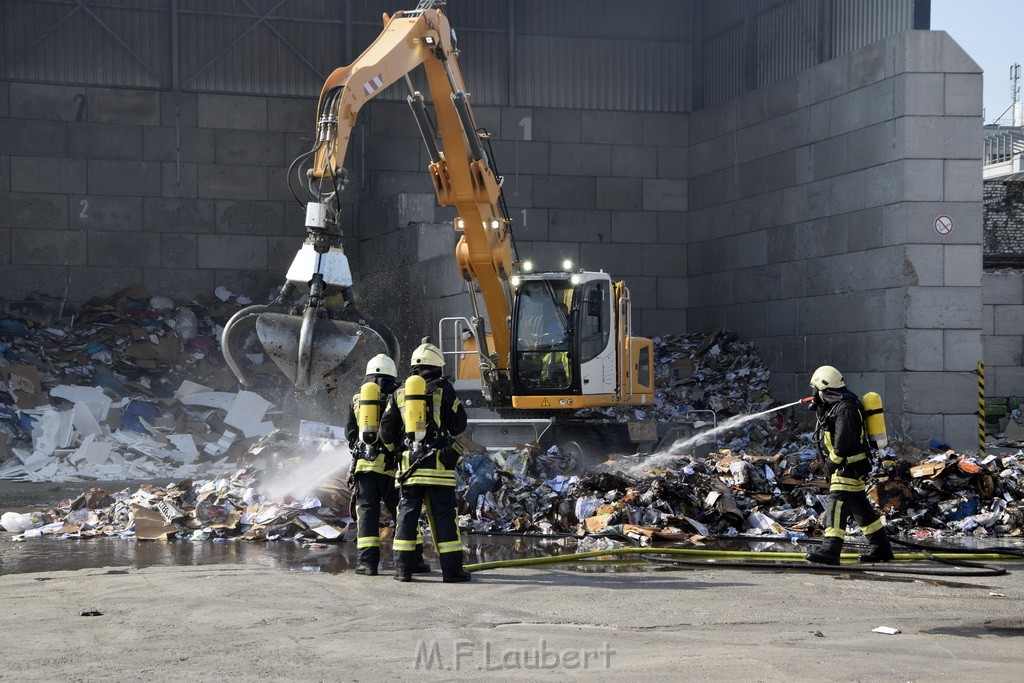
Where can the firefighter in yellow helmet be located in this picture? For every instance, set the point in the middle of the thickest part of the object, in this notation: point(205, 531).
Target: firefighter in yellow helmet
point(842, 442)
point(373, 463)
point(422, 420)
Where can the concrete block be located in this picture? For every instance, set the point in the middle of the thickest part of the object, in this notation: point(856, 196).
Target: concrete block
point(1005, 382)
point(941, 392)
point(643, 291)
point(556, 125)
point(944, 307)
point(281, 250)
point(178, 215)
point(830, 157)
point(180, 284)
point(393, 154)
point(18, 281)
point(961, 431)
point(179, 109)
point(941, 137)
point(409, 208)
point(257, 284)
point(119, 249)
point(110, 105)
point(660, 129)
point(830, 79)
point(186, 144)
point(673, 162)
point(388, 118)
point(658, 321)
point(580, 225)
point(250, 218)
point(819, 121)
point(291, 115)
point(5, 100)
point(1002, 287)
point(514, 123)
point(46, 174)
point(705, 319)
point(988, 322)
point(963, 95)
point(37, 211)
point(781, 318)
point(868, 65)
point(664, 259)
point(564, 192)
point(748, 320)
point(178, 250)
point(919, 429)
point(848, 112)
point(672, 292)
point(626, 128)
point(934, 52)
point(232, 111)
point(919, 222)
point(865, 229)
point(1007, 320)
point(124, 178)
point(518, 193)
point(884, 184)
point(869, 146)
point(672, 227)
point(179, 180)
point(619, 193)
point(232, 251)
point(5, 247)
point(5, 173)
point(48, 247)
point(664, 194)
point(920, 94)
point(849, 191)
point(232, 182)
point(88, 212)
point(390, 183)
point(104, 141)
point(634, 226)
point(579, 159)
point(34, 138)
point(895, 303)
point(425, 241)
point(39, 102)
point(962, 265)
point(962, 180)
point(90, 281)
point(487, 118)
point(531, 226)
point(518, 157)
point(249, 148)
point(621, 260)
point(923, 180)
point(962, 350)
point(878, 102)
point(712, 122)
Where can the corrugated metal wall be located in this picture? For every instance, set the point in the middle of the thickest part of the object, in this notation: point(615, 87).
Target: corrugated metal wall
point(651, 55)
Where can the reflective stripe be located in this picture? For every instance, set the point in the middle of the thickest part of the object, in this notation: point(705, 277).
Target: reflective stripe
point(833, 532)
point(429, 477)
point(835, 458)
point(368, 542)
point(873, 527)
point(857, 458)
point(402, 545)
point(846, 484)
point(449, 547)
point(837, 519)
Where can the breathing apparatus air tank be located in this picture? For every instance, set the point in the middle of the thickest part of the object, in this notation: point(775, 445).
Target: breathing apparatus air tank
point(874, 419)
point(415, 408)
point(368, 419)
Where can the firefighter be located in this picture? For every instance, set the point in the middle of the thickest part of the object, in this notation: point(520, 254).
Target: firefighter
point(842, 442)
point(422, 420)
point(373, 470)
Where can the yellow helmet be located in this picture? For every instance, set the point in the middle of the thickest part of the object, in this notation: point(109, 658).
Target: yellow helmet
point(381, 364)
point(427, 354)
point(827, 377)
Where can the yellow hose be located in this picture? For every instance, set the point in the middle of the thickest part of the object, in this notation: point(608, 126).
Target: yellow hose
point(711, 555)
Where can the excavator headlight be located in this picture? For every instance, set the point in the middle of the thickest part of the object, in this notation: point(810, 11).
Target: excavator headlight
point(429, 40)
point(460, 225)
point(515, 280)
point(566, 264)
point(575, 279)
point(527, 266)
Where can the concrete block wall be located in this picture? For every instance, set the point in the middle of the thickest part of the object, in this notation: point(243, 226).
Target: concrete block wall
point(1003, 331)
point(1004, 218)
point(102, 188)
point(812, 214)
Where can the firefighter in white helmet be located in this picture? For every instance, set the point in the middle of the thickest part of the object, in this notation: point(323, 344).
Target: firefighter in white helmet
point(422, 420)
point(842, 442)
point(373, 463)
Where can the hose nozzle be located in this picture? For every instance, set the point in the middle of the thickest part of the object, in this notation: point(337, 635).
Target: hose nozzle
point(807, 400)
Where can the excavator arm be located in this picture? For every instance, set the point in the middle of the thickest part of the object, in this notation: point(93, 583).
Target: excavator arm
point(305, 341)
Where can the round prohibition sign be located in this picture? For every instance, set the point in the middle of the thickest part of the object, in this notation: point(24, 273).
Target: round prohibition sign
point(943, 225)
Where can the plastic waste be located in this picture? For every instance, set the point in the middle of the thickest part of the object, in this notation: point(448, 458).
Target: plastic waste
point(161, 303)
point(16, 522)
point(186, 324)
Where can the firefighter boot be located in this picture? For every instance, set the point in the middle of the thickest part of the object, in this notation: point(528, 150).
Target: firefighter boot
point(366, 569)
point(826, 553)
point(881, 549)
point(419, 566)
point(459, 577)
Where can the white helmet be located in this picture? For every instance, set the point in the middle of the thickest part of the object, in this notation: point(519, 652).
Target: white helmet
point(381, 364)
point(427, 354)
point(827, 377)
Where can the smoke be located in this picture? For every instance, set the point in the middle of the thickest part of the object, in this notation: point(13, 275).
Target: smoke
point(300, 482)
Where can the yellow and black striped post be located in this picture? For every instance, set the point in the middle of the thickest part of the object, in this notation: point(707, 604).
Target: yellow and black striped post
point(981, 409)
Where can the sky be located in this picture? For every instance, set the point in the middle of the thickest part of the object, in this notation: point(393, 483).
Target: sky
point(990, 32)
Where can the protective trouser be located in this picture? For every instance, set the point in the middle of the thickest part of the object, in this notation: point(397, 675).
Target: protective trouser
point(372, 489)
point(441, 514)
point(843, 505)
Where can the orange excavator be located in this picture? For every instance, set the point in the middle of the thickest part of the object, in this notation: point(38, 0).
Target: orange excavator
point(537, 344)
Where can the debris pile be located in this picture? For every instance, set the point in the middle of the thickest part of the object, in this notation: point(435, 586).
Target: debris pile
point(110, 394)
